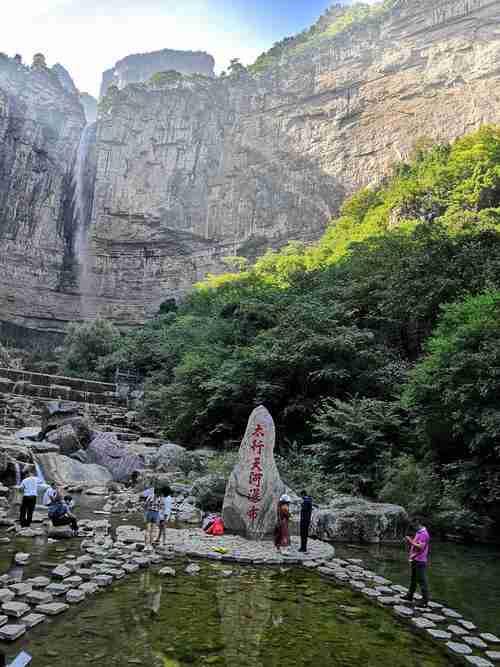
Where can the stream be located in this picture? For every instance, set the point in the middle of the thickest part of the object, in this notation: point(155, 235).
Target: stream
point(254, 617)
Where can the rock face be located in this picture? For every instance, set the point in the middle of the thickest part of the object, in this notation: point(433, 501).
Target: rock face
point(40, 125)
point(353, 519)
point(255, 486)
point(191, 169)
point(142, 66)
point(63, 470)
point(105, 450)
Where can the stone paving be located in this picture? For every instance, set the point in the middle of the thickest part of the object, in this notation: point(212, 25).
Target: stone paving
point(104, 562)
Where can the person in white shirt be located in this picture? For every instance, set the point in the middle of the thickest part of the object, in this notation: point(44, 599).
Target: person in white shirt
point(29, 486)
point(165, 513)
point(49, 495)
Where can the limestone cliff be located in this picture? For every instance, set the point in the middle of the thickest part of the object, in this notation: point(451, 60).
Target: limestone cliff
point(40, 125)
point(191, 169)
point(142, 66)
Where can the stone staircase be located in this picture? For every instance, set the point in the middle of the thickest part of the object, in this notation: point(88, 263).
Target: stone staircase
point(51, 387)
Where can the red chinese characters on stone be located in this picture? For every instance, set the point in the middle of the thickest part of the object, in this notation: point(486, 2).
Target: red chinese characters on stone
point(256, 473)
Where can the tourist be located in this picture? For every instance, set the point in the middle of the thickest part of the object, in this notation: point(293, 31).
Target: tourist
point(165, 514)
point(60, 515)
point(281, 532)
point(305, 520)
point(50, 494)
point(418, 557)
point(29, 486)
point(154, 504)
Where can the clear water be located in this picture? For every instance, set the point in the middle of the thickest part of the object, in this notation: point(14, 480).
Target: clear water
point(256, 618)
point(465, 577)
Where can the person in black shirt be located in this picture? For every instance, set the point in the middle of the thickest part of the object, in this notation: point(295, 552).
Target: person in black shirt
point(305, 520)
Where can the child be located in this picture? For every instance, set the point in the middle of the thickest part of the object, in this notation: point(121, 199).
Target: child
point(153, 506)
point(165, 514)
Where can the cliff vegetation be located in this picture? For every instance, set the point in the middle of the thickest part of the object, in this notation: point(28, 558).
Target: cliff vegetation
point(376, 349)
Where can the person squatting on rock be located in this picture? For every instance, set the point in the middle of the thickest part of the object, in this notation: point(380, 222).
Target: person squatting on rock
point(419, 556)
point(60, 515)
point(305, 520)
point(281, 531)
point(29, 486)
point(165, 514)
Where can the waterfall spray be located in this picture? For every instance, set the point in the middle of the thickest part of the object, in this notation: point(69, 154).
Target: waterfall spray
point(83, 188)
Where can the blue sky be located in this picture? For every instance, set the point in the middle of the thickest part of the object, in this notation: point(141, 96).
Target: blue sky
point(88, 36)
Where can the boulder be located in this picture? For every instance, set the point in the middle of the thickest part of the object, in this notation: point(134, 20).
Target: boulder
point(106, 450)
point(168, 456)
point(64, 470)
point(209, 492)
point(187, 513)
point(72, 436)
point(255, 485)
point(353, 519)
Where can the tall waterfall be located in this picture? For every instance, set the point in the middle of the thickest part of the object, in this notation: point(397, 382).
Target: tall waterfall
point(83, 187)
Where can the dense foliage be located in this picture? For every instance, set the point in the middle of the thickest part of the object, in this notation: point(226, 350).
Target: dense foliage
point(376, 349)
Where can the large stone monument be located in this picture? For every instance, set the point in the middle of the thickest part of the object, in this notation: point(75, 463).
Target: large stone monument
point(255, 486)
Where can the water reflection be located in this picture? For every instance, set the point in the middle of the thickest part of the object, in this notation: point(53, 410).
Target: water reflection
point(245, 610)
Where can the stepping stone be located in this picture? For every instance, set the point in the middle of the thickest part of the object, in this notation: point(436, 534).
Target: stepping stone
point(477, 661)
point(475, 641)
point(39, 582)
point(371, 592)
point(89, 588)
point(457, 630)
point(192, 569)
point(15, 609)
point(116, 574)
point(387, 600)
point(439, 634)
point(103, 580)
point(30, 620)
point(61, 572)
point(84, 561)
point(358, 585)
point(73, 581)
point(21, 589)
point(57, 589)
point(6, 595)
point(167, 572)
point(422, 623)
point(355, 561)
point(86, 573)
point(493, 655)
point(141, 561)
point(490, 638)
point(459, 649)
point(52, 608)
point(467, 625)
point(403, 611)
point(156, 558)
point(21, 558)
point(3, 620)
point(400, 589)
point(382, 581)
point(437, 618)
point(434, 605)
point(384, 590)
point(75, 595)
point(451, 613)
point(39, 597)
point(130, 567)
point(10, 633)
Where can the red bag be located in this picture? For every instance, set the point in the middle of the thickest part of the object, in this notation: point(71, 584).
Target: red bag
point(217, 528)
